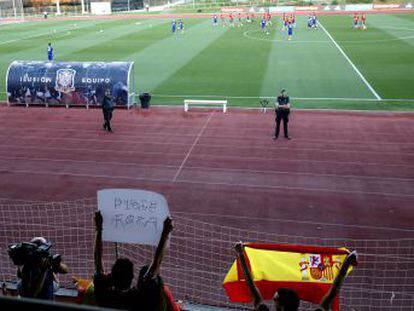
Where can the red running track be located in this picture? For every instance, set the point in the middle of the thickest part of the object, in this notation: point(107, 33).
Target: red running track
point(344, 174)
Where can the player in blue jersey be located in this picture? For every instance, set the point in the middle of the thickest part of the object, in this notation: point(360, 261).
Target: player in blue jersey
point(173, 26)
point(314, 21)
point(263, 26)
point(290, 30)
point(215, 20)
point(310, 22)
point(181, 26)
point(50, 52)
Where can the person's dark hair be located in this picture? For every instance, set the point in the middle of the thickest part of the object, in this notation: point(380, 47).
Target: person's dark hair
point(262, 307)
point(122, 273)
point(288, 299)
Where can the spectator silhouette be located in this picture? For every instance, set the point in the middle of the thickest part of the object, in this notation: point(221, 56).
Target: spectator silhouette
point(111, 290)
point(287, 299)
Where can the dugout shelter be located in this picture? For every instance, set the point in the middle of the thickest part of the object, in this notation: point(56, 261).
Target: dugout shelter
point(70, 83)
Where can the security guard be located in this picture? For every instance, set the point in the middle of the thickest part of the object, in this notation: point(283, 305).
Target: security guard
point(107, 108)
point(282, 107)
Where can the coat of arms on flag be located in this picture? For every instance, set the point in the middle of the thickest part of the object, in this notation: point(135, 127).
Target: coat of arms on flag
point(65, 80)
point(308, 270)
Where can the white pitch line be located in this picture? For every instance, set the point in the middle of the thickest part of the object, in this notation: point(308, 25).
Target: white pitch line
point(350, 62)
point(192, 147)
point(274, 97)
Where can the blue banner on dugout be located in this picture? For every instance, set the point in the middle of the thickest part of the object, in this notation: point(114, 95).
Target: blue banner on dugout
point(69, 83)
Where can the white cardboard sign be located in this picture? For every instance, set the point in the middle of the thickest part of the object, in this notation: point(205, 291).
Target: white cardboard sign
point(132, 216)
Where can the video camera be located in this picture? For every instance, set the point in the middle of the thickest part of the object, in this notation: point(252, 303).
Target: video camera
point(28, 253)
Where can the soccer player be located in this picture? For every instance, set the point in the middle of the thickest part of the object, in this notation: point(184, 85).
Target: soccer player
point(50, 52)
point(268, 18)
point(263, 25)
point(314, 21)
point(363, 19)
point(356, 20)
point(173, 26)
point(285, 21)
point(239, 17)
point(215, 20)
point(310, 22)
point(181, 26)
point(222, 19)
point(290, 30)
point(231, 20)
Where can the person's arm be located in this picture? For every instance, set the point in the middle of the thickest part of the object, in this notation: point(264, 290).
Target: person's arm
point(277, 103)
point(98, 243)
point(155, 266)
point(62, 268)
point(288, 103)
point(254, 291)
point(350, 260)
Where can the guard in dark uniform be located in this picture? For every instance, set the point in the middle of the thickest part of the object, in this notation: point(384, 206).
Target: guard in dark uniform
point(107, 108)
point(282, 107)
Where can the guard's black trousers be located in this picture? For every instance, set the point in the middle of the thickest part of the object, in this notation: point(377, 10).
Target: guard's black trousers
point(282, 115)
point(107, 114)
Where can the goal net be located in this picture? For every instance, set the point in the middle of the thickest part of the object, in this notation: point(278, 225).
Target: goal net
point(201, 252)
point(11, 11)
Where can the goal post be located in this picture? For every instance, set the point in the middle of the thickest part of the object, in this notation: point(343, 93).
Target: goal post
point(11, 10)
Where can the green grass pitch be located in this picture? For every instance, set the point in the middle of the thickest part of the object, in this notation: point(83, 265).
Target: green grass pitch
point(332, 67)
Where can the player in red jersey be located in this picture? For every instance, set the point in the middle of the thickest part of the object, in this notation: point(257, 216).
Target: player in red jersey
point(268, 18)
point(284, 21)
point(231, 20)
point(222, 20)
point(363, 19)
point(239, 18)
point(356, 20)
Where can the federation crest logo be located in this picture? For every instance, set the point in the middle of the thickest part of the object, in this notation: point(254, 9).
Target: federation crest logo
point(65, 80)
point(318, 267)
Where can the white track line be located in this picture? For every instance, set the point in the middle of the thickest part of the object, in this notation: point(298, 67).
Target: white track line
point(351, 63)
point(261, 159)
point(295, 221)
point(206, 168)
point(223, 146)
point(226, 184)
point(192, 147)
point(286, 188)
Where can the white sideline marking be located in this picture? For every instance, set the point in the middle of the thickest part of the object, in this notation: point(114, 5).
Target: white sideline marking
point(192, 147)
point(274, 97)
point(350, 62)
point(44, 34)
